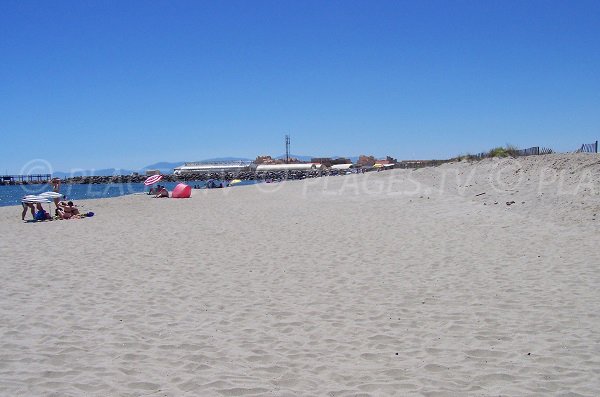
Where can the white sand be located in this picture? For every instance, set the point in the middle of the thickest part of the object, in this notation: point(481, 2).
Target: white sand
point(390, 283)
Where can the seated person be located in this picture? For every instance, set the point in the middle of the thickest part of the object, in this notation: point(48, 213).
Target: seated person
point(61, 214)
point(163, 192)
point(74, 210)
point(68, 209)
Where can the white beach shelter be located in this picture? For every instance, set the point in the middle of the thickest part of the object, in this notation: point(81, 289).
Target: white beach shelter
point(342, 166)
point(32, 199)
point(51, 196)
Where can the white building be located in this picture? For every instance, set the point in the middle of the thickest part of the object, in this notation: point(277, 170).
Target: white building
point(216, 167)
point(289, 167)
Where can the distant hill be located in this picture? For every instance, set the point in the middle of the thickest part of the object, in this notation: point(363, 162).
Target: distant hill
point(228, 159)
point(163, 166)
point(101, 172)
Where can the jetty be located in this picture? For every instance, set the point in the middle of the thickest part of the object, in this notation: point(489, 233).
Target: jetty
point(24, 179)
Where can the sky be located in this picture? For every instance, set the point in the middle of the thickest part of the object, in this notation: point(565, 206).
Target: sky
point(124, 84)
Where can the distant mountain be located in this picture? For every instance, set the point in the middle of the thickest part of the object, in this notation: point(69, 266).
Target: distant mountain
point(102, 172)
point(227, 159)
point(167, 168)
point(164, 167)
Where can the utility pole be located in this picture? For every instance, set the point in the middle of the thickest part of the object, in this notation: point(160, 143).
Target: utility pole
point(287, 149)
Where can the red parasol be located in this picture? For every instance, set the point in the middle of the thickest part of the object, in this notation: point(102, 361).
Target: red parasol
point(152, 180)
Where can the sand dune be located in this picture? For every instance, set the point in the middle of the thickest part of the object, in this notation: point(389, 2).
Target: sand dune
point(391, 283)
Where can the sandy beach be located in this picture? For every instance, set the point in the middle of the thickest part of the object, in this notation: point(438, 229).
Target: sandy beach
point(476, 279)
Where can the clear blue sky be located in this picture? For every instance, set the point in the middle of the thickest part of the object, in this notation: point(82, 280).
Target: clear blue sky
point(97, 84)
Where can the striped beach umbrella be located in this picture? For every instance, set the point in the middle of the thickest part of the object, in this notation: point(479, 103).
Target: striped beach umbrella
point(33, 199)
point(51, 195)
point(152, 180)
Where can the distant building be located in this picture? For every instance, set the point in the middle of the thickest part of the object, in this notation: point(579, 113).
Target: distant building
point(383, 162)
point(365, 161)
point(270, 160)
point(152, 172)
point(264, 160)
point(388, 162)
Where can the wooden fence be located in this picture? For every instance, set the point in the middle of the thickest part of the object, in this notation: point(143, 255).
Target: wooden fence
point(588, 148)
point(532, 151)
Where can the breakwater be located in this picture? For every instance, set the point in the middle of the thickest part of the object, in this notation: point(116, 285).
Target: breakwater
point(225, 176)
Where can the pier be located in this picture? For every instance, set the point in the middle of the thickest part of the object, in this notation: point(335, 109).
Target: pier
point(24, 179)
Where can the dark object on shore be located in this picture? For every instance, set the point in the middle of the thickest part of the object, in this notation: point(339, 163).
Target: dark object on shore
point(480, 194)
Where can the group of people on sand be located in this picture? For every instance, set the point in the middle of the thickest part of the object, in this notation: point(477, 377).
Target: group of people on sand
point(67, 210)
point(64, 210)
point(159, 191)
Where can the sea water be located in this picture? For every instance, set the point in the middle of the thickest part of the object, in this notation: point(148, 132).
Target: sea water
point(12, 194)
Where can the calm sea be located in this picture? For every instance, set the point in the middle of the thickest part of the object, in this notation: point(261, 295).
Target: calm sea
point(11, 195)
